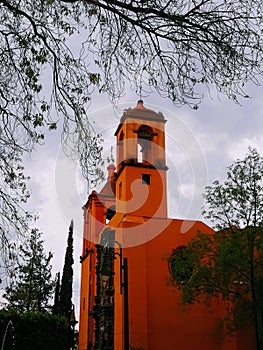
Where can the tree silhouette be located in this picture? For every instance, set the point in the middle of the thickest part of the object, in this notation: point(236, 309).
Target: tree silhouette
point(65, 295)
point(31, 284)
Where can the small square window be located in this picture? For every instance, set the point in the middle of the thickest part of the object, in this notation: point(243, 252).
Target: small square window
point(146, 179)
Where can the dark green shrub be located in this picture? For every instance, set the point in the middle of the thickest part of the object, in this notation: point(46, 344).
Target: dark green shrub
point(32, 330)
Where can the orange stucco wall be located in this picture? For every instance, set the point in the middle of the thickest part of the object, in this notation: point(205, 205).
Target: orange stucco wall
point(157, 320)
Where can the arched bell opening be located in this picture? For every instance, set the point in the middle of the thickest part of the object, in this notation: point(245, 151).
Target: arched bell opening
point(120, 154)
point(144, 144)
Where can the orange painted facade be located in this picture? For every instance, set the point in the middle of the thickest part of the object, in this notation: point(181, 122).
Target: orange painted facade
point(128, 221)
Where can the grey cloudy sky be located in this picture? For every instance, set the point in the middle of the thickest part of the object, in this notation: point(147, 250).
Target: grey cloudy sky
point(200, 144)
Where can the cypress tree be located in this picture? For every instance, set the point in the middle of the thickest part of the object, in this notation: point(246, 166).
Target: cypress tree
point(56, 296)
point(65, 295)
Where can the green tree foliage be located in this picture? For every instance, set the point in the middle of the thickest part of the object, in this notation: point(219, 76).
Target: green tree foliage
point(239, 200)
point(228, 263)
point(32, 330)
point(56, 54)
point(31, 284)
point(65, 295)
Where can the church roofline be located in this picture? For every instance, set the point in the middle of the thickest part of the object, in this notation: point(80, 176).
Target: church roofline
point(142, 113)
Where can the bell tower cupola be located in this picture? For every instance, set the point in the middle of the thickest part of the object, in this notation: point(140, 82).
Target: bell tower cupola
point(141, 163)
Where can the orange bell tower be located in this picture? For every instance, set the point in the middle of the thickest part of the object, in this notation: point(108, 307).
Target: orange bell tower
point(141, 163)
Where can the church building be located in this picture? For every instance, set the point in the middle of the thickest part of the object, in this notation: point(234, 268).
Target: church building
point(126, 300)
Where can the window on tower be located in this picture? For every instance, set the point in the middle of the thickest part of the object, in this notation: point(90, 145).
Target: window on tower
point(146, 179)
point(111, 211)
point(120, 190)
point(120, 147)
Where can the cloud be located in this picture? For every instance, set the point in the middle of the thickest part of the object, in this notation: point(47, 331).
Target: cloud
point(240, 147)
